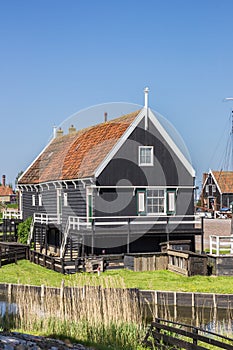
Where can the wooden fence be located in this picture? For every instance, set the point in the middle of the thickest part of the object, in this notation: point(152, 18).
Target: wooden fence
point(163, 334)
point(12, 252)
point(55, 263)
point(160, 298)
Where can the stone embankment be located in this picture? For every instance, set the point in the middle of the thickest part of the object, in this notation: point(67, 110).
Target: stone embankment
point(19, 341)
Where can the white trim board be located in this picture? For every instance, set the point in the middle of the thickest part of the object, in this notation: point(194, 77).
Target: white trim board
point(216, 182)
point(120, 142)
point(162, 132)
point(171, 143)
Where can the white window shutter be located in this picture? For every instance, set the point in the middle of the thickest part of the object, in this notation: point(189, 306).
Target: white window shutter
point(171, 201)
point(141, 202)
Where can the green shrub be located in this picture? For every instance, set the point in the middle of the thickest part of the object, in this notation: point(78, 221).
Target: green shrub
point(24, 230)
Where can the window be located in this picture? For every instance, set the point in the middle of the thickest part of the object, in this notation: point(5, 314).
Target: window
point(40, 200)
point(33, 200)
point(155, 201)
point(145, 155)
point(65, 199)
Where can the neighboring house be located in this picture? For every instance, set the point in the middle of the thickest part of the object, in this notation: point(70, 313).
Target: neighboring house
point(217, 190)
point(119, 186)
point(7, 194)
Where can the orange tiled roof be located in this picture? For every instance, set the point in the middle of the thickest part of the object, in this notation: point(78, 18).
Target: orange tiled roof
point(224, 180)
point(5, 191)
point(77, 155)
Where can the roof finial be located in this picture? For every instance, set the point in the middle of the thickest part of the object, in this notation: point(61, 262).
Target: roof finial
point(146, 92)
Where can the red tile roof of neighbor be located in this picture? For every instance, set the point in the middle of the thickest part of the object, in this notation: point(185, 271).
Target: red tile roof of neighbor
point(5, 191)
point(224, 180)
point(77, 155)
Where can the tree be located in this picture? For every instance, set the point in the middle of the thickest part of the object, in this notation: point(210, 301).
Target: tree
point(24, 230)
point(18, 176)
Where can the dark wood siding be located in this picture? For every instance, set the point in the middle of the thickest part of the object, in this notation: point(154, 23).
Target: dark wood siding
point(76, 198)
point(76, 201)
point(123, 169)
point(27, 207)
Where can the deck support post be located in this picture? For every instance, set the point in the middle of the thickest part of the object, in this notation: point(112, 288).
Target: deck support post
point(202, 235)
point(128, 236)
point(92, 236)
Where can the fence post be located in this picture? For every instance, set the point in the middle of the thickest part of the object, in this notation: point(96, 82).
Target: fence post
point(217, 245)
point(195, 332)
point(92, 236)
point(62, 297)
point(42, 291)
point(202, 235)
point(9, 292)
point(62, 266)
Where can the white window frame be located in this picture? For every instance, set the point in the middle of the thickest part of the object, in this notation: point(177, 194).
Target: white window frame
point(65, 197)
point(40, 200)
point(89, 203)
point(33, 200)
point(151, 156)
point(150, 197)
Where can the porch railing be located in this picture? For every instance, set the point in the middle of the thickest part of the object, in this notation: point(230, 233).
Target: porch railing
point(221, 245)
point(11, 214)
point(42, 218)
point(78, 222)
point(74, 223)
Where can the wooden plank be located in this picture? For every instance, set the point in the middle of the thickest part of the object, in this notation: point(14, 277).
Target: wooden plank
point(167, 339)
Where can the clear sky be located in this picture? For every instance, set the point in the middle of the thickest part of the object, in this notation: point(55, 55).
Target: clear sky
point(60, 56)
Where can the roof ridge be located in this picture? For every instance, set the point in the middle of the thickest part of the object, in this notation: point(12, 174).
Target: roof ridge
point(117, 119)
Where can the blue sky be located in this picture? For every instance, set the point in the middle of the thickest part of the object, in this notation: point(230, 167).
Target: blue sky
point(58, 57)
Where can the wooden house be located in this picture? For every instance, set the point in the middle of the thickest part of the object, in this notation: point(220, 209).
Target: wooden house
point(119, 186)
point(217, 190)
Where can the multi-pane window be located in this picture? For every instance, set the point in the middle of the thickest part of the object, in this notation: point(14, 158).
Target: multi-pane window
point(145, 155)
point(155, 201)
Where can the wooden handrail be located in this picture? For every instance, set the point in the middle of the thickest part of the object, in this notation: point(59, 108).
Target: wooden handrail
point(165, 332)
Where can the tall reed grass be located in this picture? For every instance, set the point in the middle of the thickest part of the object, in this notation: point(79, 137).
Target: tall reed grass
point(112, 317)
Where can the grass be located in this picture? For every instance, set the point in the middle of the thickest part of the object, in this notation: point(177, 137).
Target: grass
point(28, 273)
point(111, 317)
point(101, 320)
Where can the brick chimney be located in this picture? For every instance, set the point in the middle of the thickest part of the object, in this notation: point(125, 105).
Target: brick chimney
point(4, 180)
point(72, 129)
point(59, 132)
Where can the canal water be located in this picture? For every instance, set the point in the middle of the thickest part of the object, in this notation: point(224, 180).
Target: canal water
point(211, 319)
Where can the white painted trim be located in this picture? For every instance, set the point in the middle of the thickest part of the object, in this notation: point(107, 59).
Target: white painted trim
point(120, 142)
point(47, 183)
point(40, 200)
point(145, 187)
point(171, 143)
point(151, 154)
point(215, 181)
point(65, 199)
point(141, 202)
point(75, 185)
point(33, 200)
point(43, 150)
point(203, 186)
